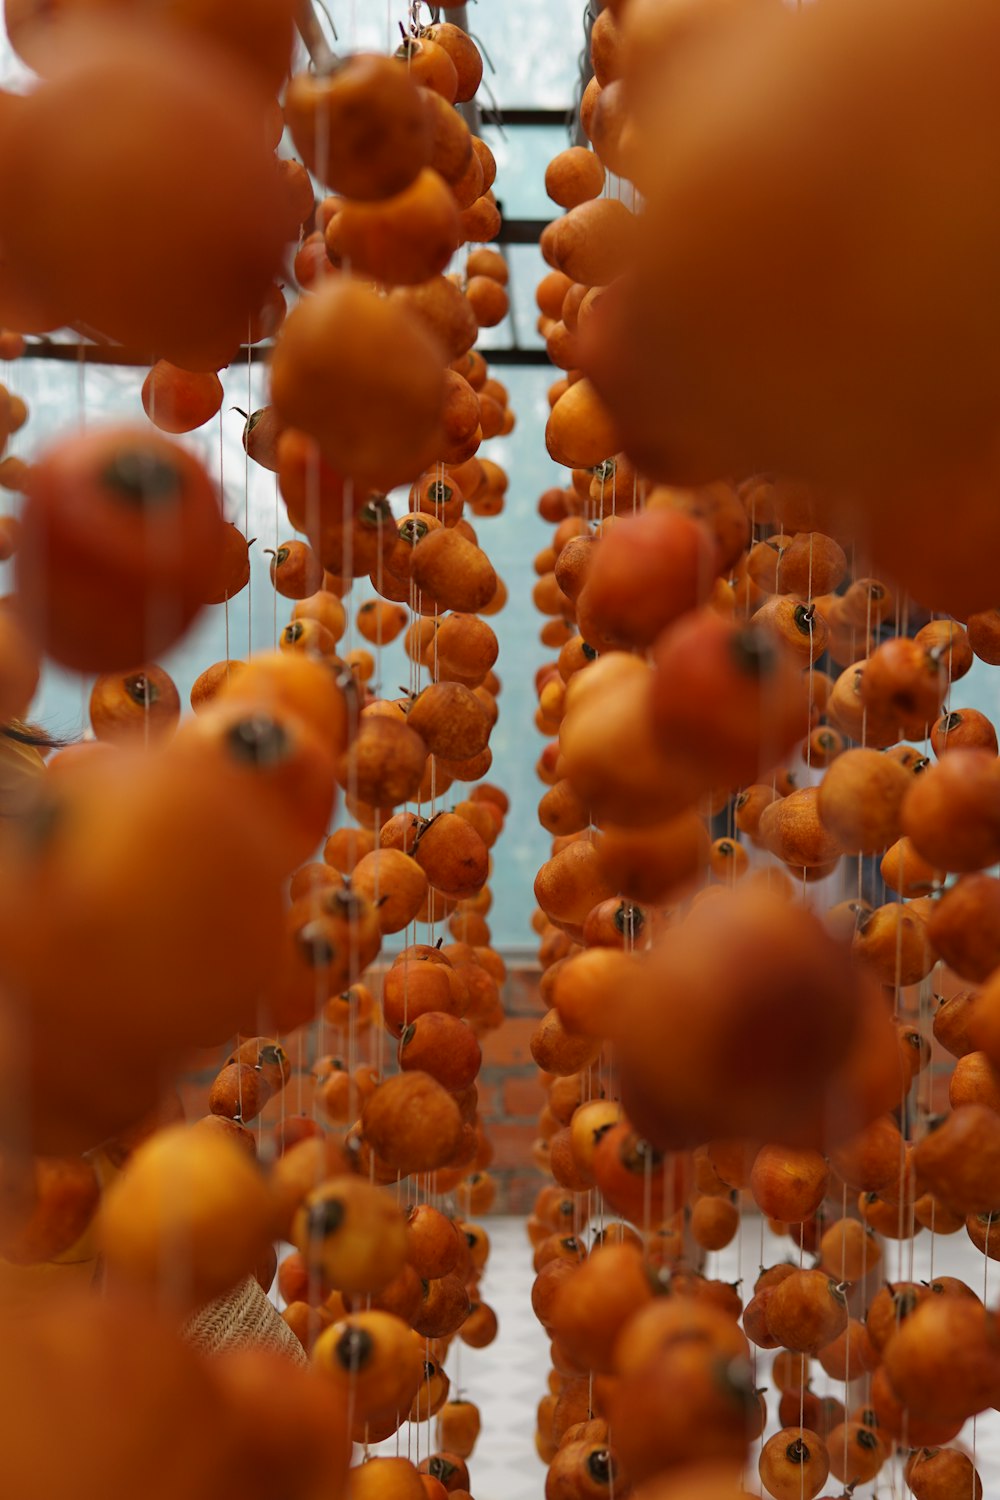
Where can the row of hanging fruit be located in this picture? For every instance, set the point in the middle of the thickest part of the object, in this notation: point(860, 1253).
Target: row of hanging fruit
point(182, 880)
point(771, 898)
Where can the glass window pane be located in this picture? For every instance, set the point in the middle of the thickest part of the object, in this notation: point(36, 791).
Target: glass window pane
point(522, 153)
point(535, 49)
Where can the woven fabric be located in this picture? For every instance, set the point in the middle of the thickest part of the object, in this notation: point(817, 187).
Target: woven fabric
point(20, 766)
point(243, 1316)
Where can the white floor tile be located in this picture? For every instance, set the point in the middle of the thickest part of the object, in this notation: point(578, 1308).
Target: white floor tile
point(509, 1378)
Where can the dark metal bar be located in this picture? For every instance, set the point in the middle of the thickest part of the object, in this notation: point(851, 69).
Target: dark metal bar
point(556, 118)
point(118, 354)
point(513, 355)
point(520, 231)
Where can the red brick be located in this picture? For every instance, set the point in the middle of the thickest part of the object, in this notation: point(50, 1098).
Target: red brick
point(490, 1103)
point(510, 1044)
point(939, 1100)
point(521, 996)
point(512, 1145)
point(523, 1096)
point(516, 1194)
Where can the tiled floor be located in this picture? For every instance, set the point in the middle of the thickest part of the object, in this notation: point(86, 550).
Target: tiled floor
point(919, 1260)
point(507, 1380)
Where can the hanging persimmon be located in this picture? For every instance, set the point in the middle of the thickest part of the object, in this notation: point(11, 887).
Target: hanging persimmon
point(135, 708)
point(261, 38)
point(205, 229)
point(287, 769)
point(401, 240)
point(361, 376)
point(361, 127)
point(177, 400)
point(122, 543)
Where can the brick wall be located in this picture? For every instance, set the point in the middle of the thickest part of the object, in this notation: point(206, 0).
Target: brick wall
point(510, 1095)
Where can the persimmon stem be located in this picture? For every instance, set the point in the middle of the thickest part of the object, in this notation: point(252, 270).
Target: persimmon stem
point(425, 824)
